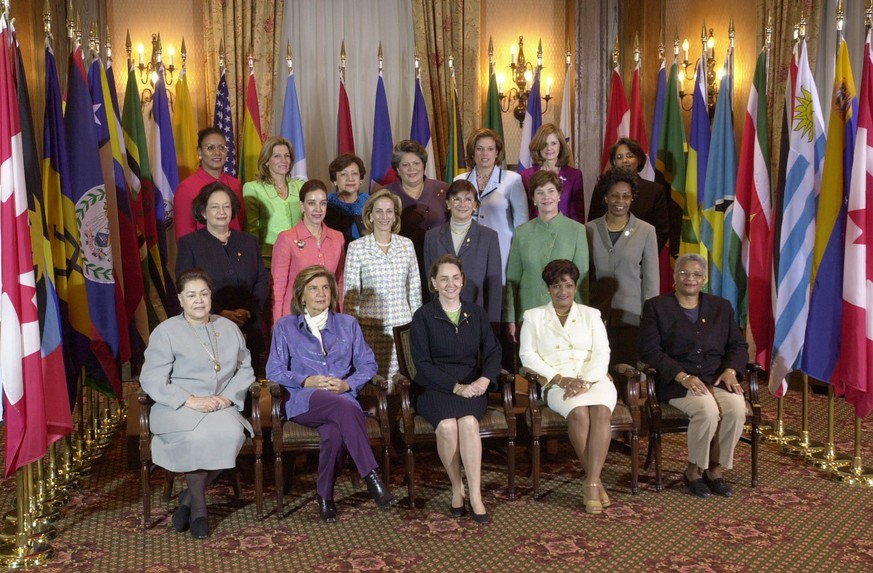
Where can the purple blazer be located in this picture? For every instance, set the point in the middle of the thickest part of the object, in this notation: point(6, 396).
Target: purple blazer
point(572, 203)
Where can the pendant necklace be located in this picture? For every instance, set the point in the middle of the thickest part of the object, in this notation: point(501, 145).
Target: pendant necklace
point(214, 353)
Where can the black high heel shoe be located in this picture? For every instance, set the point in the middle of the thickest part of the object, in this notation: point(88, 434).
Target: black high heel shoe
point(381, 495)
point(326, 509)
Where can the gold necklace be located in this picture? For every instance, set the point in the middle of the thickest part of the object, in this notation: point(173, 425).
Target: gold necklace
point(565, 315)
point(214, 354)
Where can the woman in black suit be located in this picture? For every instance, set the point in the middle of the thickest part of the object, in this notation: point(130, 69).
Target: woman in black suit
point(233, 260)
point(457, 358)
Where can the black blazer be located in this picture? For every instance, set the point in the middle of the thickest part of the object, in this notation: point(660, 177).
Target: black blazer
point(672, 344)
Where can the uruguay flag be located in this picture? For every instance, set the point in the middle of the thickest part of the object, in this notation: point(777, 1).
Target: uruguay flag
point(292, 128)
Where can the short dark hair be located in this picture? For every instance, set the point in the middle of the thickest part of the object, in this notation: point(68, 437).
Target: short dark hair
point(306, 276)
point(543, 177)
point(481, 133)
point(344, 160)
point(460, 186)
point(198, 207)
point(559, 268)
point(606, 181)
point(408, 146)
point(311, 186)
point(446, 259)
point(206, 132)
point(635, 148)
point(192, 274)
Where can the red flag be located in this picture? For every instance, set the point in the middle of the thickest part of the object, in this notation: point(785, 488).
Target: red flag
point(853, 375)
point(638, 124)
point(21, 367)
point(617, 117)
point(345, 137)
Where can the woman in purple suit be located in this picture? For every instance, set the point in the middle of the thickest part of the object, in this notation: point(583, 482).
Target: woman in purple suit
point(549, 150)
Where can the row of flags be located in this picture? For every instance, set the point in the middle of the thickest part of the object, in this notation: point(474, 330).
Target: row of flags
point(790, 256)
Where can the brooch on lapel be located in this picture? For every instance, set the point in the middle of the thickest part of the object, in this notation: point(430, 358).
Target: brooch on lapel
point(300, 244)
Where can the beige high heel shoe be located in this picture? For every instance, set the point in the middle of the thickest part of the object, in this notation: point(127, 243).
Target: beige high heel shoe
point(593, 505)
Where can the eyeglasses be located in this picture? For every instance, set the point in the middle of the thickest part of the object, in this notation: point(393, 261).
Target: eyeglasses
point(213, 147)
point(693, 274)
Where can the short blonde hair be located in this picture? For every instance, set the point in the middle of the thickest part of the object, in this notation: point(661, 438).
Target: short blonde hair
point(305, 277)
point(367, 212)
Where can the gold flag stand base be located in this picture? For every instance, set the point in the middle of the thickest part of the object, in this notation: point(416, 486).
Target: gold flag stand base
point(28, 558)
point(804, 447)
point(828, 459)
point(777, 434)
point(857, 474)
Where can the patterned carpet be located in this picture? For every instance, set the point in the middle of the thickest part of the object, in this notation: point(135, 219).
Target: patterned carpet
point(796, 520)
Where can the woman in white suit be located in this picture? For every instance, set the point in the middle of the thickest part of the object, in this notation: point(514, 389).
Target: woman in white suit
point(566, 343)
point(197, 370)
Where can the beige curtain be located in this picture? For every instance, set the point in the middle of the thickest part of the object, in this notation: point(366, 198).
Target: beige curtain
point(785, 14)
point(244, 25)
point(443, 28)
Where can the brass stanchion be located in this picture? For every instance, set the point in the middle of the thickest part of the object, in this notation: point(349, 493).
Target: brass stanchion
point(857, 473)
point(828, 459)
point(804, 446)
point(27, 550)
point(68, 477)
point(778, 434)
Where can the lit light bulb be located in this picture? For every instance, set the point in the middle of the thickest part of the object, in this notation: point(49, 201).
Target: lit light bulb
point(528, 76)
point(139, 50)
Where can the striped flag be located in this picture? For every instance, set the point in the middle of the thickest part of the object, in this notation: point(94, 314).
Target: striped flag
point(420, 129)
point(185, 128)
point(222, 118)
point(57, 412)
point(345, 137)
point(822, 343)
point(455, 162)
point(637, 128)
point(617, 117)
point(671, 154)
point(142, 197)
point(252, 137)
point(698, 158)
point(566, 121)
point(21, 367)
point(381, 171)
point(533, 119)
point(88, 194)
point(797, 236)
point(853, 375)
point(292, 128)
point(721, 178)
point(61, 220)
point(748, 260)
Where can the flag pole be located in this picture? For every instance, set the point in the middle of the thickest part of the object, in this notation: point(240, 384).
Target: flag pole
point(27, 551)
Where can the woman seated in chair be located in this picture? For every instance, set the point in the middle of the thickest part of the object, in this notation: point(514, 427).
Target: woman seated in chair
point(694, 342)
point(457, 358)
point(566, 343)
point(197, 370)
point(320, 356)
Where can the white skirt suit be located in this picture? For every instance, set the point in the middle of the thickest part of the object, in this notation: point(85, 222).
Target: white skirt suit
point(579, 348)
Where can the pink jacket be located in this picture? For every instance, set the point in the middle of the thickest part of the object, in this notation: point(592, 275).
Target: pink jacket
point(296, 249)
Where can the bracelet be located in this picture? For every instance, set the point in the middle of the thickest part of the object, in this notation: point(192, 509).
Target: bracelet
point(684, 378)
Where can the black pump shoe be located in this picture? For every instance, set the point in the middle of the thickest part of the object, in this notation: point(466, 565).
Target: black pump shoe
point(326, 509)
point(182, 514)
point(380, 494)
point(200, 528)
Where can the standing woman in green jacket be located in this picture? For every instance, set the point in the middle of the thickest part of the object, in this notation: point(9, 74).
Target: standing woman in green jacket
point(538, 242)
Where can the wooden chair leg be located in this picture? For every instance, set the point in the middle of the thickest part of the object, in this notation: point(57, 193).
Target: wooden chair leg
point(146, 496)
point(535, 466)
point(259, 487)
point(237, 483)
point(169, 479)
point(280, 486)
point(510, 461)
point(635, 461)
point(650, 452)
point(386, 464)
point(656, 438)
point(756, 438)
point(410, 476)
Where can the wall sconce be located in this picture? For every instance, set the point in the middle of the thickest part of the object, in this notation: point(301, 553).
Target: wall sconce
point(713, 75)
point(148, 71)
point(522, 75)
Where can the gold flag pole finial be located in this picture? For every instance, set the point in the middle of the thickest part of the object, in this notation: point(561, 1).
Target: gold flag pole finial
point(540, 55)
point(108, 46)
point(159, 49)
point(768, 33)
point(490, 55)
point(342, 67)
point(380, 58)
point(661, 48)
point(78, 29)
point(732, 33)
point(840, 18)
point(868, 15)
point(288, 58)
point(251, 59)
point(47, 19)
point(128, 47)
point(569, 54)
point(676, 47)
point(451, 65)
point(184, 53)
point(417, 67)
point(94, 41)
point(71, 22)
point(802, 25)
point(220, 56)
point(637, 48)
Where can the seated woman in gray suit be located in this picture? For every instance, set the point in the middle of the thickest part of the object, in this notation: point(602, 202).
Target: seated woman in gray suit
point(566, 343)
point(197, 370)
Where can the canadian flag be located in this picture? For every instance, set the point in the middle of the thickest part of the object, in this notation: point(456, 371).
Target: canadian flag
point(617, 117)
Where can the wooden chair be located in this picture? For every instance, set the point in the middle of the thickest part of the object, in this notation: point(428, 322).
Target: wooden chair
point(666, 419)
point(252, 446)
point(292, 438)
point(498, 422)
point(546, 423)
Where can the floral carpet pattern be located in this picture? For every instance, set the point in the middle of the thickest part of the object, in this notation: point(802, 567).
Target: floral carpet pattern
point(795, 520)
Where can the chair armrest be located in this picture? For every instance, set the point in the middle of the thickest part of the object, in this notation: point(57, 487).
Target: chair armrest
point(535, 382)
point(506, 380)
point(628, 380)
point(145, 408)
point(753, 372)
point(381, 404)
point(653, 406)
point(406, 412)
point(255, 414)
point(277, 394)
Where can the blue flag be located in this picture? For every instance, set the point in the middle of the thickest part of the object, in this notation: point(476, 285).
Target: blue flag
point(292, 128)
point(383, 144)
point(533, 119)
point(420, 130)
